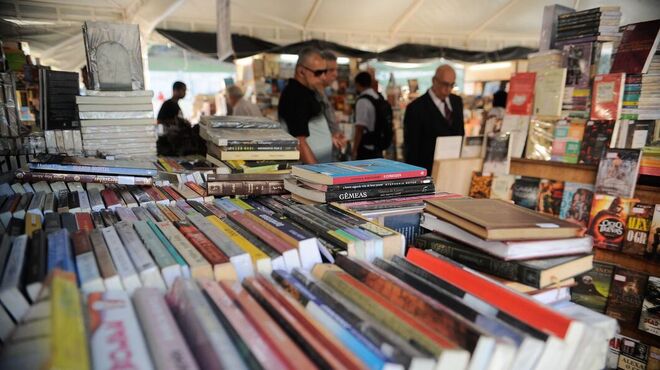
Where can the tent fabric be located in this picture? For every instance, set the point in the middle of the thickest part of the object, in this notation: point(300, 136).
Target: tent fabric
point(245, 46)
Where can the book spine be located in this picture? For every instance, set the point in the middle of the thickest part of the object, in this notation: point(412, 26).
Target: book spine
point(177, 212)
point(84, 178)
point(35, 264)
point(257, 147)
point(125, 214)
point(260, 260)
point(377, 177)
point(352, 195)
point(185, 270)
point(222, 268)
point(199, 267)
point(245, 188)
point(110, 198)
point(185, 208)
point(122, 171)
point(11, 294)
point(68, 325)
point(125, 269)
point(144, 264)
point(59, 251)
point(115, 339)
point(127, 197)
point(155, 212)
point(167, 346)
point(199, 208)
point(378, 184)
point(88, 273)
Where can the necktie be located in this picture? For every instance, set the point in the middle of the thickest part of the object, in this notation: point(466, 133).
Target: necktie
point(447, 113)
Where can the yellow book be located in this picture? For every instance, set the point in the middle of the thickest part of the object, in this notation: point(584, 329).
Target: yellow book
point(240, 203)
point(32, 223)
point(70, 350)
point(260, 259)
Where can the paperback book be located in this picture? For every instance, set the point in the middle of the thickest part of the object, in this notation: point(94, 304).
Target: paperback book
point(649, 319)
point(549, 92)
point(607, 221)
point(480, 185)
point(525, 192)
point(637, 229)
point(576, 203)
point(626, 295)
point(567, 140)
point(550, 196)
point(577, 61)
point(521, 94)
point(617, 172)
point(597, 135)
point(502, 187)
point(518, 127)
point(593, 287)
point(639, 43)
point(539, 139)
point(497, 160)
point(653, 243)
point(356, 171)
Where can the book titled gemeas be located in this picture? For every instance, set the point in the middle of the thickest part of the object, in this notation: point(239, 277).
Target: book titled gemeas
point(617, 172)
point(493, 219)
point(356, 171)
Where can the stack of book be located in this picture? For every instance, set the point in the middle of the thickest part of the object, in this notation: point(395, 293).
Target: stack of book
point(597, 24)
point(118, 123)
point(357, 180)
point(252, 154)
point(542, 60)
point(528, 251)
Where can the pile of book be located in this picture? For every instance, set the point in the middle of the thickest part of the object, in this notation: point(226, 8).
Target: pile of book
point(357, 180)
point(253, 155)
point(597, 24)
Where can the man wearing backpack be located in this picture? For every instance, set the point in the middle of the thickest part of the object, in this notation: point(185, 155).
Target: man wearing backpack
point(373, 120)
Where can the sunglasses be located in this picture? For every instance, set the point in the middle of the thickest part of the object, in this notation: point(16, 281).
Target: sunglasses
point(316, 72)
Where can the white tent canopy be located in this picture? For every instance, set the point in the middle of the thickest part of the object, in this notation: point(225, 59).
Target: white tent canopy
point(52, 27)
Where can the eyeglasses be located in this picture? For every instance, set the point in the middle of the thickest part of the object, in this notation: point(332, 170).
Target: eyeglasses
point(316, 72)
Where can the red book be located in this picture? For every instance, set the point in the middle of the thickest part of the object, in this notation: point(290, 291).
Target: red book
point(156, 195)
point(525, 309)
point(520, 100)
point(639, 43)
point(607, 96)
point(206, 247)
point(172, 193)
point(289, 253)
point(84, 221)
point(111, 198)
point(366, 170)
point(196, 188)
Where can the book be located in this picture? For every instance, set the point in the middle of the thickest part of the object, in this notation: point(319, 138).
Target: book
point(576, 203)
point(57, 163)
point(649, 320)
point(518, 127)
point(249, 136)
point(252, 187)
point(480, 185)
point(637, 47)
point(617, 172)
point(198, 265)
point(497, 159)
point(638, 226)
point(607, 96)
point(506, 250)
point(300, 188)
point(525, 191)
point(35, 264)
point(521, 94)
point(11, 286)
point(567, 141)
point(577, 60)
point(85, 178)
point(472, 146)
point(593, 287)
point(494, 219)
point(356, 171)
point(550, 196)
point(60, 255)
point(653, 244)
point(447, 147)
point(130, 279)
point(539, 273)
point(626, 295)
point(634, 354)
point(597, 136)
point(114, 329)
point(169, 268)
point(239, 122)
point(502, 187)
point(607, 220)
point(549, 92)
point(87, 267)
point(222, 267)
point(144, 264)
point(539, 139)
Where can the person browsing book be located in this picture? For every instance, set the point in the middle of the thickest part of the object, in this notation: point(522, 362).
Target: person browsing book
point(301, 112)
point(240, 106)
point(329, 78)
point(170, 108)
point(436, 113)
point(365, 118)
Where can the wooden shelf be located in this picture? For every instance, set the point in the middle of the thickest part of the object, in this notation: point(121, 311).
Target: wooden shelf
point(559, 171)
point(627, 261)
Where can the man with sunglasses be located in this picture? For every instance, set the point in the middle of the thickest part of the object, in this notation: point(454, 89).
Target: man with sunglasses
point(302, 113)
point(436, 113)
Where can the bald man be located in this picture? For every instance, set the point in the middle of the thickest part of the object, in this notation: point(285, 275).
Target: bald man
point(436, 113)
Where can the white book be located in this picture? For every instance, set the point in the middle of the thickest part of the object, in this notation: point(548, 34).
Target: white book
point(199, 266)
point(238, 257)
point(57, 186)
point(113, 94)
point(169, 268)
point(38, 311)
point(77, 142)
point(42, 186)
point(75, 186)
point(113, 100)
point(10, 289)
point(117, 332)
point(68, 141)
point(28, 188)
point(32, 329)
point(169, 350)
point(122, 261)
point(84, 201)
point(49, 203)
point(144, 264)
point(88, 273)
point(114, 108)
point(18, 188)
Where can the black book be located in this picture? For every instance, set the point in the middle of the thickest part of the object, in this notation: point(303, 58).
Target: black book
point(34, 272)
point(52, 222)
point(22, 206)
point(98, 220)
point(108, 217)
point(50, 203)
point(199, 207)
point(63, 201)
point(69, 222)
point(73, 200)
point(16, 226)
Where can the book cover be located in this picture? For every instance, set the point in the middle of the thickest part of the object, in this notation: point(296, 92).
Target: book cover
point(653, 244)
point(637, 47)
point(356, 171)
point(472, 146)
point(597, 135)
point(518, 127)
point(607, 96)
point(577, 61)
point(654, 358)
point(497, 159)
point(248, 136)
point(539, 139)
point(576, 203)
point(550, 196)
point(567, 139)
point(617, 172)
point(633, 354)
point(637, 229)
point(626, 295)
point(525, 192)
point(593, 287)
point(549, 92)
point(649, 319)
point(480, 185)
point(502, 187)
point(521, 94)
point(607, 221)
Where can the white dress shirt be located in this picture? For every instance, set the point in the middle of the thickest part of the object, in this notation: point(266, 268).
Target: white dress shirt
point(441, 103)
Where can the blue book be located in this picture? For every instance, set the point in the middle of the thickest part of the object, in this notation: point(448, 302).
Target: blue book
point(228, 206)
point(60, 254)
point(356, 171)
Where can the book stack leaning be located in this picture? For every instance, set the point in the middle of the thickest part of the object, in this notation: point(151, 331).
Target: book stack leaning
point(256, 154)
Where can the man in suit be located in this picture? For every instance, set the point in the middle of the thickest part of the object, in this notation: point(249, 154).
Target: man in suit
point(436, 113)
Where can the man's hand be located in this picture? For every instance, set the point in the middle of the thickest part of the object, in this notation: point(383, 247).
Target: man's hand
point(339, 140)
point(306, 154)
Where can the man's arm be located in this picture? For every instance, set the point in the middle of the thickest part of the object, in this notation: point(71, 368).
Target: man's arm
point(306, 154)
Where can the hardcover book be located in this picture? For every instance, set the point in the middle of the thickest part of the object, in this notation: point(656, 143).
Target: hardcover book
point(502, 187)
point(577, 60)
point(607, 96)
point(576, 203)
point(480, 185)
point(653, 244)
point(593, 287)
point(626, 295)
point(549, 92)
point(607, 221)
point(597, 135)
point(525, 192)
point(498, 154)
point(637, 229)
point(617, 172)
point(550, 196)
point(638, 45)
point(521, 94)
point(649, 320)
point(356, 171)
